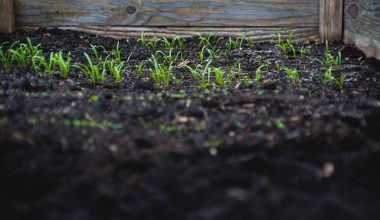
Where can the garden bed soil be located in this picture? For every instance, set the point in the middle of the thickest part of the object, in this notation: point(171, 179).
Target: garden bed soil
point(271, 150)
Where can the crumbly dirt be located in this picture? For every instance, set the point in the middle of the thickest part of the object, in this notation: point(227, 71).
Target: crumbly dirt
point(273, 150)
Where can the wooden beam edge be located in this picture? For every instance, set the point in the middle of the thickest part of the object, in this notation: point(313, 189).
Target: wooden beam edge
point(302, 34)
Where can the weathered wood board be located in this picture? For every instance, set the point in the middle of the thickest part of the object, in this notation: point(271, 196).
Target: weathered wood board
point(304, 34)
point(221, 13)
point(331, 20)
point(362, 25)
point(7, 23)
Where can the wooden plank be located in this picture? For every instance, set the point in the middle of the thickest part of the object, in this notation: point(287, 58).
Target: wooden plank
point(362, 25)
point(259, 13)
point(331, 20)
point(7, 22)
point(304, 34)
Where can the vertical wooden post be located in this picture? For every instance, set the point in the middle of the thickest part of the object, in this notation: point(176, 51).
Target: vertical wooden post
point(7, 20)
point(331, 20)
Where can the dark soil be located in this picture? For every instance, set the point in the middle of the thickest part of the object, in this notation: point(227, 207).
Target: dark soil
point(274, 150)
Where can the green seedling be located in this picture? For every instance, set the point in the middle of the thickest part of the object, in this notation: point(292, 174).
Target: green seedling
point(116, 53)
point(340, 81)
point(152, 44)
point(234, 44)
point(167, 43)
point(284, 46)
point(204, 41)
point(48, 66)
point(213, 54)
point(161, 73)
point(169, 57)
point(330, 60)
point(31, 49)
point(180, 42)
point(201, 54)
point(246, 81)
point(116, 70)
point(279, 124)
point(97, 54)
point(292, 74)
point(63, 64)
point(258, 73)
point(328, 77)
point(305, 51)
point(139, 69)
point(20, 56)
point(277, 66)
point(234, 71)
point(95, 98)
point(36, 65)
point(142, 40)
point(5, 58)
point(91, 71)
point(219, 77)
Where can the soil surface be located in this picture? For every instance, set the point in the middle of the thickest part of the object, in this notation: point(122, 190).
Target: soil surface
point(269, 150)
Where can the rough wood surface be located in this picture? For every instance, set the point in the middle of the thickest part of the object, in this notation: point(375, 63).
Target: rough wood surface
point(331, 20)
point(362, 25)
point(305, 34)
point(299, 13)
point(7, 22)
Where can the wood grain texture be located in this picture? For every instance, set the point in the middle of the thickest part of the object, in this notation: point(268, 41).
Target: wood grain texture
point(259, 13)
point(331, 20)
point(362, 25)
point(7, 22)
point(305, 34)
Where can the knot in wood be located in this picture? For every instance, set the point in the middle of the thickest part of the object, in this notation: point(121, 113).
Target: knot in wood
point(353, 11)
point(130, 9)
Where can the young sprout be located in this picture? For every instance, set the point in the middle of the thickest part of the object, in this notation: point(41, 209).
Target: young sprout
point(204, 41)
point(152, 44)
point(116, 53)
point(160, 72)
point(180, 41)
point(116, 69)
point(330, 60)
point(96, 53)
point(292, 74)
point(212, 54)
point(305, 51)
point(142, 39)
point(31, 49)
point(277, 66)
point(248, 41)
point(201, 54)
point(92, 71)
point(139, 69)
point(168, 44)
point(284, 46)
point(329, 75)
point(36, 65)
point(340, 81)
point(234, 71)
point(64, 65)
point(20, 56)
point(234, 44)
point(246, 80)
point(258, 73)
point(5, 58)
point(219, 77)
